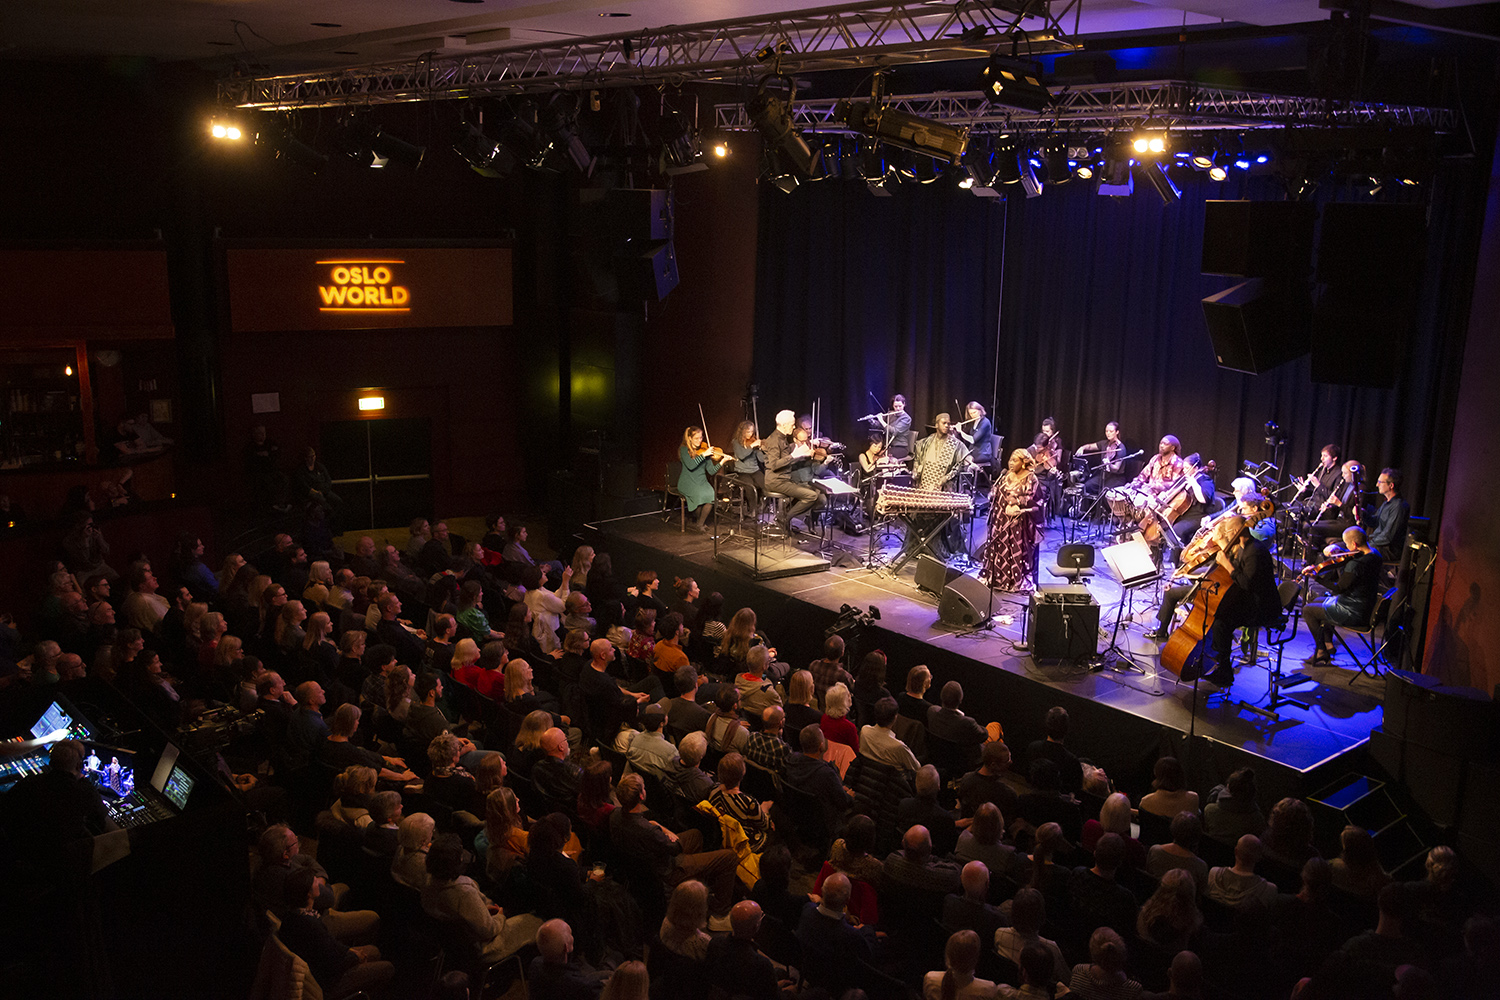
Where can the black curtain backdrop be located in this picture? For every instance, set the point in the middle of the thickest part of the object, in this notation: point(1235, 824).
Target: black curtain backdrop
point(1100, 319)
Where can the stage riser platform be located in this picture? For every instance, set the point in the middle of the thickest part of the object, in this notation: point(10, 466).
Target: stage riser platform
point(1117, 721)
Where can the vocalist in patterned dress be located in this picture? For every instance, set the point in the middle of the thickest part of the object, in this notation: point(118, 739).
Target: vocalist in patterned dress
point(1008, 556)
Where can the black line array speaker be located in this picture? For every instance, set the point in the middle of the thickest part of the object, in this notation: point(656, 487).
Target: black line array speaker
point(1370, 263)
point(648, 271)
point(1257, 239)
point(1064, 630)
point(932, 575)
point(965, 601)
point(641, 213)
point(1259, 324)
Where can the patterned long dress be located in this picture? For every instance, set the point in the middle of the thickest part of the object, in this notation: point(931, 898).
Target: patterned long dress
point(1010, 549)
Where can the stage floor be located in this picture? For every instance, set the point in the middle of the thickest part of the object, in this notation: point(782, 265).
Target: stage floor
point(1338, 719)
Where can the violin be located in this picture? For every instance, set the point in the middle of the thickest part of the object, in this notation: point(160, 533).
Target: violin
point(1330, 562)
point(713, 451)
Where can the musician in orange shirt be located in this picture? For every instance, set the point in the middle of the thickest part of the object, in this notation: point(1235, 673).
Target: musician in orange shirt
point(1165, 467)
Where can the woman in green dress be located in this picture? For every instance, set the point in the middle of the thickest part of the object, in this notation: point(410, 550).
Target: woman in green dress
point(699, 461)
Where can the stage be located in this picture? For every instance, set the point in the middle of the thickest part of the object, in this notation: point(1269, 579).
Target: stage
point(1123, 716)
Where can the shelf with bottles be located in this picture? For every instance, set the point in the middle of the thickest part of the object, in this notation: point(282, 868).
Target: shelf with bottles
point(41, 412)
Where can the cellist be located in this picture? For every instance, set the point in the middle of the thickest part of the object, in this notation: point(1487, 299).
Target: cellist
point(1251, 599)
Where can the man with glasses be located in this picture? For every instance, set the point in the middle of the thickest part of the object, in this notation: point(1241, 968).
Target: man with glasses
point(1389, 529)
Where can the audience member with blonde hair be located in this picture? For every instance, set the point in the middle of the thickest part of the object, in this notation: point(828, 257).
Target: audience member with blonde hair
point(957, 980)
point(683, 928)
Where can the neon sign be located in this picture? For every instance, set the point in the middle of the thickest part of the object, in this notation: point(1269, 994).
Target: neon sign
point(363, 286)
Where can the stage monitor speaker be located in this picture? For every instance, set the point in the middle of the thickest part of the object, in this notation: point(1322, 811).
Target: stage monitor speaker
point(965, 601)
point(1379, 249)
point(1064, 631)
point(1258, 324)
point(1258, 239)
point(648, 271)
point(932, 575)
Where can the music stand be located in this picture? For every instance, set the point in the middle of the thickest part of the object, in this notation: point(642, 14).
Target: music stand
point(1132, 565)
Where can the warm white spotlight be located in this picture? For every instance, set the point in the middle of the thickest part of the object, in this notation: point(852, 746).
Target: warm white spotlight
point(1086, 172)
point(232, 133)
point(219, 131)
point(1158, 145)
point(1217, 172)
point(372, 402)
point(1141, 145)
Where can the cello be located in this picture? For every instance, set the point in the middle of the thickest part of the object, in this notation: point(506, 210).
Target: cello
point(1163, 512)
point(1183, 652)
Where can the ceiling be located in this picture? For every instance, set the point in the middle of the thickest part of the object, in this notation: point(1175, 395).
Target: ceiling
point(298, 35)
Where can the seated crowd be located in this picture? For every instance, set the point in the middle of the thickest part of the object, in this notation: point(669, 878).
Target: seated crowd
point(459, 747)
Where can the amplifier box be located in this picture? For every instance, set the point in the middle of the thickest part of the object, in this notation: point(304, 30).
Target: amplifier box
point(1068, 593)
point(1064, 629)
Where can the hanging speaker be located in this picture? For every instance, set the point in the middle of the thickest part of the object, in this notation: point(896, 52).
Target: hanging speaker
point(1257, 239)
point(1258, 324)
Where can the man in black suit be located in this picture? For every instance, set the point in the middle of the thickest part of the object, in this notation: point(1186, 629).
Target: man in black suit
point(832, 945)
point(948, 722)
point(1069, 768)
point(736, 965)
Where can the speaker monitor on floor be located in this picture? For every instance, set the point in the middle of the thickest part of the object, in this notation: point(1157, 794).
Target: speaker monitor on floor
point(965, 601)
point(1258, 324)
point(933, 575)
point(1062, 627)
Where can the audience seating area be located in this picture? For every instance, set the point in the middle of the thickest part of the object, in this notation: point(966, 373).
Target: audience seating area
point(477, 772)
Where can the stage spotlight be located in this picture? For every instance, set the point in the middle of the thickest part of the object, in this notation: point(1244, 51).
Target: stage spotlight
point(1085, 172)
point(559, 123)
point(1016, 84)
point(1116, 179)
point(388, 147)
point(1055, 156)
point(1374, 185)
point(485, 156)
point(1218, 173)
point(1149, 142)
point(277, 136)
point(1242, 163)
point(682, 149)
point(773, 120)
point(897, 128)
point(721, 148)
point(226, 129)
point(1161, 183)
point(1007, 160)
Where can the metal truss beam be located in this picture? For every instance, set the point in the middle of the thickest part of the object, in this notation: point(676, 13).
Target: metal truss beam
point(869, 34)
point(1103, 107)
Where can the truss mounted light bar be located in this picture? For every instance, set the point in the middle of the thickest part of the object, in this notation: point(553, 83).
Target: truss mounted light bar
point(1104, 107)
point(849, 36)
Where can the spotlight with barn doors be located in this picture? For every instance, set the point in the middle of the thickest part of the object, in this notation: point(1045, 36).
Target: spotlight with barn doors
point(1014, 83)
point(790, 158)
point(226, 129)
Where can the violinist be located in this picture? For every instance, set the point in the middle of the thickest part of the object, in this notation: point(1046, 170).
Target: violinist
point(749, 463)
point(1338, 511)
point(1350, 600)
point(1252, 598)
point(1047, 452)
point(699, 461)
point(783, 456)
point(981, 440)
point(1113, 450)
point(1200, 484)
point(1165, 467)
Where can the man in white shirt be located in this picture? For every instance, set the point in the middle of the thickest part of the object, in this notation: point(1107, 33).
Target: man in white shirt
point(880, 744)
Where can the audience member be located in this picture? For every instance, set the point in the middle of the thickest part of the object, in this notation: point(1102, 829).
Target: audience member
point(1052, 748)
point(914, 868)
point(970, 908)
point(1187, 829)
point(957, 980)
point(1170, 794)
point(1239, 886)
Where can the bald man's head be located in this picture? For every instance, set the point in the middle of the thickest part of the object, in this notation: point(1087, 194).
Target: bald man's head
point(601, 651)
point(555, 743)
point(772, 718)
point(917, 843)
point(554, 939)
point(836, 890)
point(744, 919)
point(976, 880)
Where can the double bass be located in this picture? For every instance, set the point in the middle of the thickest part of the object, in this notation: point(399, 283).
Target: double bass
point(1183, 654)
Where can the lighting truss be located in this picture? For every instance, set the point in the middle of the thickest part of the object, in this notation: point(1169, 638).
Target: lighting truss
point(848, 36)
point(1103, 107)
